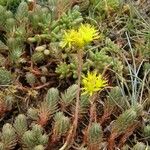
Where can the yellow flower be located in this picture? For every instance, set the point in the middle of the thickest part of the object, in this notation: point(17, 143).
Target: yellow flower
point(88, 33)
point(69, 38)
point(79, 38)
point(78, 41)
point(93, 83)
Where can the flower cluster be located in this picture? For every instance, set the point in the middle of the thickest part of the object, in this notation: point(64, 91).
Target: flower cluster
point(81, 37)
point(93, 83)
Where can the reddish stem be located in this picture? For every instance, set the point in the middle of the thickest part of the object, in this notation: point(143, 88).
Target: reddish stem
point(127, 134)
point(111, 141)
point(105, 116)
point(73, 129)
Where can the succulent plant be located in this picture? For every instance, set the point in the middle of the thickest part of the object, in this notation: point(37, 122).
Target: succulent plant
point(95, 136)
point(22, 11)
point(39, 147)
point(38, 91)
point(101, 60)
point(72, 18)
point(68, 97)
point(30, 77)
point(34, 137)
point(33, 113)
point(5, 77)
point(11, 5)
point(146, 130)
point(20, 125)
point(61, 126)
point(38, 57)
point(105, 6)
point(5, 14)
point(8, 139)
point(124, 121)
point(140, 146)
point(64, 70)
point(84, 105)
point(47, 108)
point(115, 102)
point(6, 102)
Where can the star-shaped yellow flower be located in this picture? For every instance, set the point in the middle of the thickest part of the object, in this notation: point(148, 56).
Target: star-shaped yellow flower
point(88, 33)
point(93, 83)
point(69, 38)
point(81, 37)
